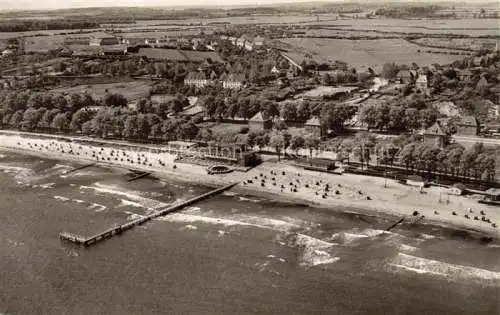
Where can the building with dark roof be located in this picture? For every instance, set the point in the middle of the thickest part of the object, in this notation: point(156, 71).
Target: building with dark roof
point(468, 125)
point(436, 133)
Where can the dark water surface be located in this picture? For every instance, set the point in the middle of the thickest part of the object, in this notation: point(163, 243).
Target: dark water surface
point(231, 254)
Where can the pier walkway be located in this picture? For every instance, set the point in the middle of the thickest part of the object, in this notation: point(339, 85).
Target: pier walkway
point(138, 176)
point(79, 168)
point(80, 240)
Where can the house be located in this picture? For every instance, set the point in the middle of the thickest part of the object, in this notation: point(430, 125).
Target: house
point(260, 122)
point(417, 181)
point(446, 108)
point(258, 42)
point(436, 133)
point(465, 75)
point(404, 76)
point(157, 99)
point(456, 190)
point(422, 84)
point(240, 42)
point(233, 40)
point(103, 40)
point(313, 124)
point(493, 110)
point(198, 79)
point(468, 125)
point(493, 194)
point(233, 81)
point(275, 70)
point(482, 83)
point(7, 52)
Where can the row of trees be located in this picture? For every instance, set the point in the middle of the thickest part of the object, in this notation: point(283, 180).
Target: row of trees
point(397, 118)
point(477, 161)
point(425, 157)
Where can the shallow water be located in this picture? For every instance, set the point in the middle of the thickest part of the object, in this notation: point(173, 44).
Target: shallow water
point(229, 254)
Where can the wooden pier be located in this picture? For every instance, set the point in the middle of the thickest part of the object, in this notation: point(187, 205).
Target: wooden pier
point(138, 176)
point(79, 168)
point(80, 240)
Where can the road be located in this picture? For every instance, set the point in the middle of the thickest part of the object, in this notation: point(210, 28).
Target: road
point(471, 140)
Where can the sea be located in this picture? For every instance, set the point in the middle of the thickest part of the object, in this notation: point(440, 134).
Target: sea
point(230, 254)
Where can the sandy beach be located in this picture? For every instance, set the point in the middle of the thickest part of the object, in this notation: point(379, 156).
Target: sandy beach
point(362, 194)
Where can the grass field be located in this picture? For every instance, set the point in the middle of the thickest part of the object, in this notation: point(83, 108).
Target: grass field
point(43, 44)
point(470, 27)
point(133, 90)
point(362, 54)
point(460, 43)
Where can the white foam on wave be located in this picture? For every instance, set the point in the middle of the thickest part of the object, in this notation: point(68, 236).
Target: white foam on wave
point(46, 186)
point(347, 238)
point(427, 236)
point(248, 199)
point(97, 207)
point(314, 251)
point(407, 248)
point(132, 195)
point(449, 271)
point(190, 227)
point(61, 198)
point(125, 203)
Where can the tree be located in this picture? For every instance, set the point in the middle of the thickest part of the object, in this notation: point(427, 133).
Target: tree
point(304, 111)
point(297, 143)
point(79, 118)
point(61, 122)
point(277, 143)
point(130, 127)
point(390, 70)
point(30, 120)
point(251, 139)
point(16, 119)
point(289, 112)
point(407, 155)
point(115, 99)
point(188, 130)
point(312, 143)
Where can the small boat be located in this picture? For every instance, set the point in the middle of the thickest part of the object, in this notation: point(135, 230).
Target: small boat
point(219, 169)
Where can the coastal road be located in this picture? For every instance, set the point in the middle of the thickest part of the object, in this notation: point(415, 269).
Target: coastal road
point(470, 140)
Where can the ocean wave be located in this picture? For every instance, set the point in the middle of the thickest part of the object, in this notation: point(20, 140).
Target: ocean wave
point(46, 186)
point(132, 195)
point(61, 198)
point(439, 268)
point(125, 203)
point(314, 251)
point(346, 238)
point(97, 207)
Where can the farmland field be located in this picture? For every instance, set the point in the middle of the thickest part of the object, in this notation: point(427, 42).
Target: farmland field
point(460, 43)
point(447, 26)
point(43, 44)
point(362, 54)
point(133, 90)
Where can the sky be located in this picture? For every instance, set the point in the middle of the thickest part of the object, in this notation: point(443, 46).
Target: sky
point(59, 4)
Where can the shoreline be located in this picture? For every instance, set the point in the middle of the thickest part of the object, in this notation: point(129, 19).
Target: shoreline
point(390, 208)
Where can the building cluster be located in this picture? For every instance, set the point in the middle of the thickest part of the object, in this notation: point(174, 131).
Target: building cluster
point(246, 42)
point(200, 80)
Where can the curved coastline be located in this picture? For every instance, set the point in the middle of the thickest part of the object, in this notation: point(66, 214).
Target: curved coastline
point(389, 209)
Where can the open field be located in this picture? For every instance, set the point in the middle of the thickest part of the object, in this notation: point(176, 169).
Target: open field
point(460, 43)
point(362, 54)
point(131, 90)
point(469, 27)
point(42, 44)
